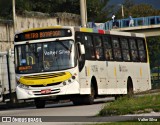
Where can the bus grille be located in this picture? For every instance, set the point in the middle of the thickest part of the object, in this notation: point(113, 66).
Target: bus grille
point(54, 91)
point(52, 84)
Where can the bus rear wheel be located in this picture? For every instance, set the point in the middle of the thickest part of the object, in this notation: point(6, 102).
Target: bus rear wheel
point(39, 103)
point(129, 88)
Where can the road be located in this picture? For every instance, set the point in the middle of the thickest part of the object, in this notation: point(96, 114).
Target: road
point(67, 114)
point(63, 111)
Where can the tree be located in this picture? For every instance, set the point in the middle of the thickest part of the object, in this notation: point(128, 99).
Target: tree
point(95, 8)
point(154, 50)
point(96, 11)
point(137, 10)
point(143, 10)
point(5, 9)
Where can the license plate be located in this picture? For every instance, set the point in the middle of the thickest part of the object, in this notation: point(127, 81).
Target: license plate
point(45, 91)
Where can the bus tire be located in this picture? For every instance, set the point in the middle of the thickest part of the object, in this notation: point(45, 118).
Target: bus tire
point(129, 88)
point(89, 99)
point(77, 100)
point(39, 103)
point(85, 99)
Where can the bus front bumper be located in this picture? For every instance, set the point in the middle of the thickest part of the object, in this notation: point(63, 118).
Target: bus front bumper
point(51, 91)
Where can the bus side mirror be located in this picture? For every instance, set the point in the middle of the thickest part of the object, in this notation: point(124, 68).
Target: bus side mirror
point(81, 48)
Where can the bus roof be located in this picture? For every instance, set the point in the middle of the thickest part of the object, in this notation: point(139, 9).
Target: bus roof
point(42, 28)
point(89, 30)
point(100, 31)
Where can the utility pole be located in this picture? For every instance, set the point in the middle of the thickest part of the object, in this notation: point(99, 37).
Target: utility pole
point(122, 11)
point(14, 16)
point(83, 10)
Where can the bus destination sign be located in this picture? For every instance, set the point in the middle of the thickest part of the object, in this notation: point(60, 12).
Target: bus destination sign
point(42, 34)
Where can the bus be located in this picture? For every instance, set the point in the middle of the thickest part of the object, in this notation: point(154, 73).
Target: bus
point(79, 64)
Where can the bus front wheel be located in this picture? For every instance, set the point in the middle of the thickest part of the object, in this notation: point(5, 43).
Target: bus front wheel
point(85, 99)
point(89, 99)
point(39, 103)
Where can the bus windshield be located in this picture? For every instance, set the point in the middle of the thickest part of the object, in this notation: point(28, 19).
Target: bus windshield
point(44, 57)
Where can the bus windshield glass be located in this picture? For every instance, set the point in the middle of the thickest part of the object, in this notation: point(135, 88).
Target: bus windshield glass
point(44, 57)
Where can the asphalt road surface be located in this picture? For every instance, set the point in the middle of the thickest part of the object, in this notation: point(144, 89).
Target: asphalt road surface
point(61, 113)
point(66, 114)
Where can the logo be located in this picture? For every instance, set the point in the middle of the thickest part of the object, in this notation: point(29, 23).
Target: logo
point(44, 84)
point(6, 119)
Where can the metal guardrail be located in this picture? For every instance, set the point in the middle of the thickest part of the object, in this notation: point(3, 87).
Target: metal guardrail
point(124, 23)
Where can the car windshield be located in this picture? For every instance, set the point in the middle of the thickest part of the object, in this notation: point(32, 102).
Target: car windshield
point(44, 57)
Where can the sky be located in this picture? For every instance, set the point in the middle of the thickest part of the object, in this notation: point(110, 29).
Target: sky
point(154, 3)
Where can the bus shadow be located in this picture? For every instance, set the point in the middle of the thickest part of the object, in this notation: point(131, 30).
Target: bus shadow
point(31, 105)
point(70, 104)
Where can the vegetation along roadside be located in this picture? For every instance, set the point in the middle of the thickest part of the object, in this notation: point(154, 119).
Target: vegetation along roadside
point(132, 105)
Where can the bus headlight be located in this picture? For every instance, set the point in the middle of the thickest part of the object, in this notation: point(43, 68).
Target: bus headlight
point(73, 77)
point(70, 80)
point(64, 83)
point(23, 86)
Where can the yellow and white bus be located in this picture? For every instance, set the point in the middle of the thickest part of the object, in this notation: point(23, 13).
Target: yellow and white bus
point(80, 64)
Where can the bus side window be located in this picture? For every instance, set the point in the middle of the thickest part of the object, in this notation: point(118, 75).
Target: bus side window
point(125, 49)
point(107, 48)
point(98, 47)
point(134, 51)
point(117, 54)
point(142, 50)
point(142, 56)
point(134, 55)
point(97, 41)
point(97, 54)
point(116, 49)
point(108, 54)
point(89, 47)
point(140, 44)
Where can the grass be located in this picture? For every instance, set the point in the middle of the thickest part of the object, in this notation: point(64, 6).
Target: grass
point(132, 105)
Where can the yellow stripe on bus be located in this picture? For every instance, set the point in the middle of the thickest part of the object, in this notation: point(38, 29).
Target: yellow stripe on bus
point(141, 72)
point(88, 71)
point(39, 80)
point(115, 72)
point(147, 49)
